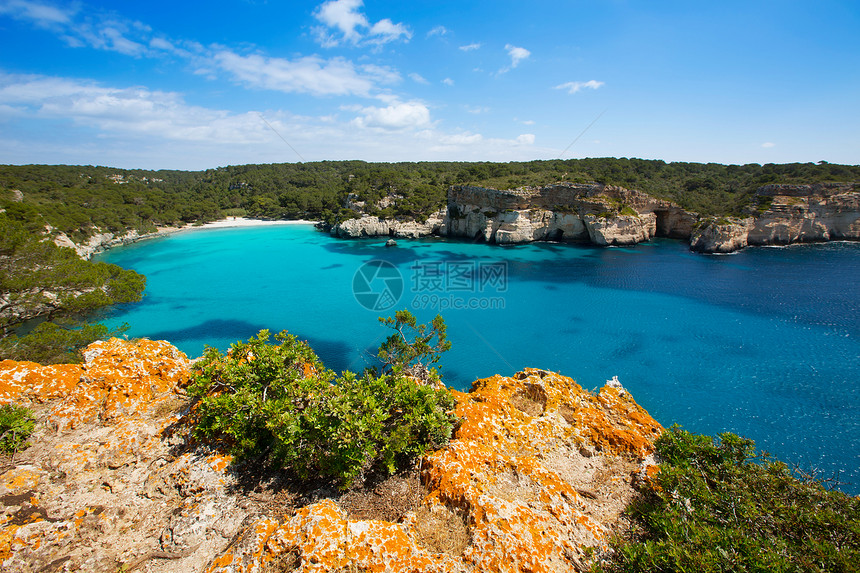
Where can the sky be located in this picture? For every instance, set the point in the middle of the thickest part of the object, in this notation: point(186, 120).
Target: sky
point(197, 85)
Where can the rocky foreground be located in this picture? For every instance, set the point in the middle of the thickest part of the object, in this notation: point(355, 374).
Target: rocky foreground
point(535, 480)
point(608, 215)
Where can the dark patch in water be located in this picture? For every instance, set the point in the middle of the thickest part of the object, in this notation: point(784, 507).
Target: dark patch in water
point(210, 329)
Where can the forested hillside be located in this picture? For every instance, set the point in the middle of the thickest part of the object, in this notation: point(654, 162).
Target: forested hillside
point(40, 280)
point(77, 200)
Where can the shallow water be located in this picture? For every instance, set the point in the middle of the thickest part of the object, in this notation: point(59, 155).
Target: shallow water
point(764, 343)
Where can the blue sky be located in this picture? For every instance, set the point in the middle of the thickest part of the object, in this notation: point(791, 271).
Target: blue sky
point(193, 85)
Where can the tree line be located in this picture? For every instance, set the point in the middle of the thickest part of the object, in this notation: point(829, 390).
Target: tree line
point(38, 279)
point(80, 200)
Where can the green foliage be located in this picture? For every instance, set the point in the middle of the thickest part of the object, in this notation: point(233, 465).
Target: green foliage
point(57, 342)
point(719, 506)
point(277, 402)
point(40, 279)
point(80, 200)
point(16, 425)
point(411, 349)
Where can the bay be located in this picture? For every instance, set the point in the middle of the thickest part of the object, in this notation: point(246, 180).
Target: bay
point(764, 343)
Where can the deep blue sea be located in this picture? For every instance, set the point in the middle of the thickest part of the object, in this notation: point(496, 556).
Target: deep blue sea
point(764, 343)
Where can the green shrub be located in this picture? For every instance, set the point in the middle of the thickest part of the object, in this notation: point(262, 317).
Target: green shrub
point(16, 425)
point(58, 342)
point(413, 348)
point(719, 506)
point(276, 402)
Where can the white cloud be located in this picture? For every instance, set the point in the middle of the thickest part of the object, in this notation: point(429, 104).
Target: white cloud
point(517, 54)
point(418, 78)
point(161, 44)
point(127, 111)
point(78, 29)
point(468, 144)
point(345, 16)
point(526, 139)
point(310, 74)
point(574, 87)
point(477, 110)
point(768, 144)
point(448, 82)
point(525, 121)
point(437, 31)
point(43, 15)
point(465, 138)
point(386, 31)
point(470, 47)
point(137, 127)
point(397, 116)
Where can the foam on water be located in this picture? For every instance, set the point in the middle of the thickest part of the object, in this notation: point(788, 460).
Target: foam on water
point(764, 343)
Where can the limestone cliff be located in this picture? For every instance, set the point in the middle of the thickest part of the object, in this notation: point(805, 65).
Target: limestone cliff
point(610, 215)
point(807, 213)
point(538, 472)
point(602, 214)
point(370, 226)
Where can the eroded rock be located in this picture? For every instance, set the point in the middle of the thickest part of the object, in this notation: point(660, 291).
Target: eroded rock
point(538, 472)
point(530, 500)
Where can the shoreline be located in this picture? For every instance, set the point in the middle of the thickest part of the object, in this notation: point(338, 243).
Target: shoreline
point(89, 250)
point(228, 223)
point(246, 222)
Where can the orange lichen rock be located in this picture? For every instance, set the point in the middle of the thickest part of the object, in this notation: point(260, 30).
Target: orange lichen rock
point(540, 468)
point(119, 378)
point(37, 384)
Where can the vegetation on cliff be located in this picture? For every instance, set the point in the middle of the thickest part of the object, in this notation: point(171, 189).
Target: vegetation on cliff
point(79, 200)
point(717, 505)
point(279, 403)
point(40, 279)
point(16, 425)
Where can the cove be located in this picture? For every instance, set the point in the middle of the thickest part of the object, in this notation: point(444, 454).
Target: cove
point(764, 343)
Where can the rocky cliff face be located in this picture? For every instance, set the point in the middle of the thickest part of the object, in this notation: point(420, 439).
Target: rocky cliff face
point(538, 472)
point(807, 213)
point(601, 214)
point(609, 215)
point(102, 241)
point(370, 226)
point(788, 214)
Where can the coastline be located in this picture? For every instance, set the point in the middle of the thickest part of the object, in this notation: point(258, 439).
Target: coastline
point(246, 222)
point(87, 251)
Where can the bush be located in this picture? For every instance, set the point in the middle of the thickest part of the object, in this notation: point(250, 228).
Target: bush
point(718, 506)
point(16, 425)
point(413, 348)
point(276, 402)
point(58, 342)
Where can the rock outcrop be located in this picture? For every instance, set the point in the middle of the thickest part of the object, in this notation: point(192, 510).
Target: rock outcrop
point(609, 215)
point(601, 214)
point(370, 226)
point(721, 235)
point(102, 241)
point(538, 472)
point(807, 213)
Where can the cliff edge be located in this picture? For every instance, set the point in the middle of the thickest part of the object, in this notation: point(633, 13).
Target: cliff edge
point(609, 215)
point(535, 479)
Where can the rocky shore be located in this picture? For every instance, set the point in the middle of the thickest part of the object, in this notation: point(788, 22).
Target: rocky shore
point(608, 215)
point(535, 479)
point(100, 242)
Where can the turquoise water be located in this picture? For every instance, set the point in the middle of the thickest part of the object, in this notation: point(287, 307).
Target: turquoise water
point(764, 343)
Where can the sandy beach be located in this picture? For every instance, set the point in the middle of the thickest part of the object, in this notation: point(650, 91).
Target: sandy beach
point(245, 222)
point(226, 223)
